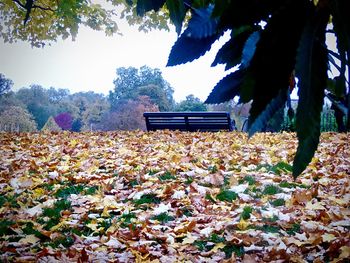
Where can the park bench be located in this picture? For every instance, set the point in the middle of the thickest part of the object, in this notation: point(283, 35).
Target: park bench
point(188, 121)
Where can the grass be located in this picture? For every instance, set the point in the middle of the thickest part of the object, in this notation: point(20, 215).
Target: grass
point(271, 189)
point(75, 189)
point(163, 218)
point(249, 179)
point(148, 199)
point(166, 177)
point(278, 168)
point(278, 202)
point(226, 195)
point(247, 210)
point(54, 213)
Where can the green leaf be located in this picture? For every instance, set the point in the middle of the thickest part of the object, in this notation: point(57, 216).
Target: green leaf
point(311, 70)
point(227, 88)
point(249, 48)
point(341, 21)
point(231, 52)
point(187, 49)
point(144, 6)
point(260, 122)
point(238, 13)
point(274, 57)
point(202, 24)
point(177, 12)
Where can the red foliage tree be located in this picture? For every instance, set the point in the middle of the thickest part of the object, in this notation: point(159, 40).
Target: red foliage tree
point(64, 120)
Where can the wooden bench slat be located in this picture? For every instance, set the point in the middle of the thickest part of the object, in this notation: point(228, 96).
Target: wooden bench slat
point(188, 121)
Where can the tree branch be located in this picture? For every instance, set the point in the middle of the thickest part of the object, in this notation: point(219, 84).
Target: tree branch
point(34, 6)
point(19, 3)
point(44, 8)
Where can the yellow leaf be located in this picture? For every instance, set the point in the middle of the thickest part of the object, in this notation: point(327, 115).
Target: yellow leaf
point(105, 212)
point(73, 143)
point(93, 226)
point(189, 239)
point(242, 225)
point(338, 201)
point(315, 206)
point(217, 247)
point(345, 252)
point(58, 226)
point(328, 237)
point(38, 192)
point(30, 239)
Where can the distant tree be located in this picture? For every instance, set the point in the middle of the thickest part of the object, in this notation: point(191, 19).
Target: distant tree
point(9, 99)
point(93, 114)
point(128, 115)
point(5, 84)
point(16, 118)
point(36, 100)
point(64, 120)
point(57, 95)
point(132, 82)
point(157, 96)
point(191, 103)
point(77, 125)
point(51, 125)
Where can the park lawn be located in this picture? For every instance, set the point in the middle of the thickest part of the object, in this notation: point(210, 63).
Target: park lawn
point(171, 196)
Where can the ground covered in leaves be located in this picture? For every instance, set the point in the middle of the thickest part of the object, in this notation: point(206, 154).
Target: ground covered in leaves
point(172, 197)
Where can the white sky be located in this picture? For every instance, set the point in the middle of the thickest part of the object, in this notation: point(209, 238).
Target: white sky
point(90, 62)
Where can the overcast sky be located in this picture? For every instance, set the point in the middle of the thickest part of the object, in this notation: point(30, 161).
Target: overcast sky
point(90, 62)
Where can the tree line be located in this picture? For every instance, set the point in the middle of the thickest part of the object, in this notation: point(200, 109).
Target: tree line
point(136, 90)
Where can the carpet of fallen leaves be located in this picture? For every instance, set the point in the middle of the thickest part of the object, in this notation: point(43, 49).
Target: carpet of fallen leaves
point(172, 197)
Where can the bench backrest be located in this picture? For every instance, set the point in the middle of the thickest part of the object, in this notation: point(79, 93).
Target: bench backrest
point(188, 121)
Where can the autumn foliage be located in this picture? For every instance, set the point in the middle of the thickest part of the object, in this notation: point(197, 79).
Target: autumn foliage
point(128, 115)
point(171, 197)
point(64, 120)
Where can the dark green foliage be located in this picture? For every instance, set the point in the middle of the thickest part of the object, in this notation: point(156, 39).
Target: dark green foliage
point(208, 243)
point(148, 199)
point(65, 241)
point(187, 49)
point(285, 184)
point(249, 179)
point(5, 84)
point(210, 198)
point(247, 210)
point(75, 189)
point(294, 229)
point(5, 227)
point(278, 202)
point(191, 103)
point(271, 41)
point(230, 249)
point(271, 189)
point(227, 87)
point(226, 195)
point(177, 12)
point(202, 24)
point(163, 218)
point(126, 219)
point(313, 81)
point(278, 168)
point(145, 5)
point(54, 213)
point(167, 176)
